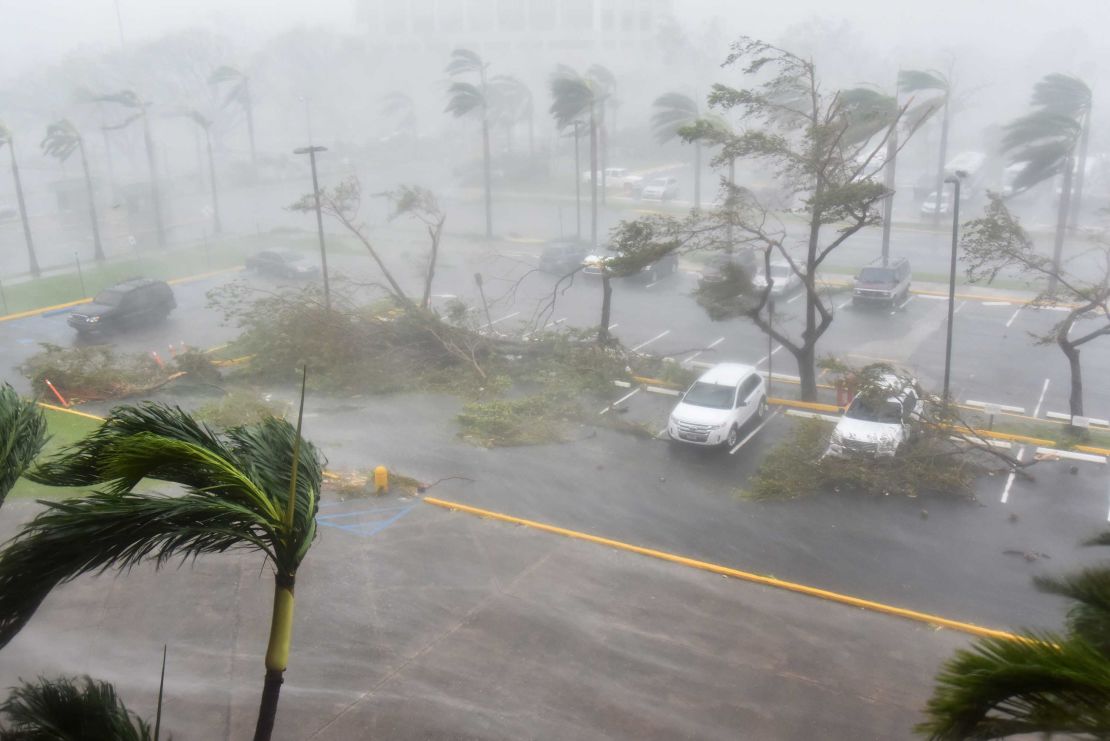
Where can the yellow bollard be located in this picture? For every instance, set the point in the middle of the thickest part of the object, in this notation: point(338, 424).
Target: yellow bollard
point(381, 480)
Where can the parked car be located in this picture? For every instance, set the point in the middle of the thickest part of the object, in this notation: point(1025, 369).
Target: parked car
point(283, 264)
point(660, 189)
point(562, 256)
point(879, 420)
point(617, 177)
point(132, 302)
point(718, 405)
point(664, 266)
point(878, 284)
point(716, 269)
point(784, 280)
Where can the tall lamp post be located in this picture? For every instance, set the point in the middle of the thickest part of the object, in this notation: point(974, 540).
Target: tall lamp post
point(311, 152)
point(954, 180)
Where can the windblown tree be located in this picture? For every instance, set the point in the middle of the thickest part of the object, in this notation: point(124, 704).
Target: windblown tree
point(141, 109)
point(256, 487)
point(32, 259)
point(606, 83)
point(673, 113)
point(574, 98)
point(238, 86)
point(1040, 683)
point(998, 242)
point(468, 99)
point(22, 435)
point(1046, 141)
point(1071, 97)
point(421, 204)
point(70, 710)
point(824, 148)
point(937, 89)
point(205, 125)
point(63, 139)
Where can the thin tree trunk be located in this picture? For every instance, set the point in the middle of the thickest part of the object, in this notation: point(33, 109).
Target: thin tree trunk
point(1080, 172)
point(606, 307)
point(111, 167)
point(277, 655)
point(1071, 352)
point(531, 134)
point(154, 191)
point(888, 183)
point(31, 257)
point(217, 225)
point(248, 106)
point(1061, 223)
point(806, 355)
point(943, 157)
point(732, 183)
point(604, 154)
point(434, 233)
point(697, 175)
point(807, 370)
point(593, 177)
point(98, 248)
point(577, 186)
point(489, 195)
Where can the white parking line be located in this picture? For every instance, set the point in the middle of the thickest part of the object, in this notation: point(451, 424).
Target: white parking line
point(957, 311)
point(843, 304)
point(659, 336)
point(1003, 407)
point(1014, 315)
point(794, 298)
point(711, 345)
point(1067, 418)
point(931, 297)
point(1010, 478)
point(1044, 390)
point(495, 321)
point(766, 357)
point(751, 434)
point(626, 397)
point(901, 305)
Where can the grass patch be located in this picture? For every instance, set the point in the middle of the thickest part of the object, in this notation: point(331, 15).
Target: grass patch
point(532, 420)
point(240, 407)
point(353, 484)
point(63, 429)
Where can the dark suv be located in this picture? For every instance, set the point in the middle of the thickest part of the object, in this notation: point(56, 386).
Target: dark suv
point(134, 301)
point(562, 256)
point(878, 284)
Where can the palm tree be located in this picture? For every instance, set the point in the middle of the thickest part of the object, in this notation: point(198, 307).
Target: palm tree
point(205, 125)
point(675, 111)
point(70, 710)
point(466, 99)
point(239, 91)
point(1069, 96)
point(574, 96)
point(61, 140)
point(1039, 683)
point(932, 81)
point(1045, 142)
point(606, 83)
point(513, 103)
point(22, 434)
point(6, 138)
point(255, 487)
point(128, 99)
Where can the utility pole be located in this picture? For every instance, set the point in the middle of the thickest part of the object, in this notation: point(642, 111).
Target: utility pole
point(954, 180)
point(311, 152)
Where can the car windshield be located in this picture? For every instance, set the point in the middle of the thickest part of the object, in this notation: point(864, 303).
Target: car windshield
point(876, 275)
point(870, 410)
point(710, 395)
point(109, 297)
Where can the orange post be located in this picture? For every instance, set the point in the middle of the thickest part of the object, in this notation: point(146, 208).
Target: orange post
point(381, 480)
point(59, 396)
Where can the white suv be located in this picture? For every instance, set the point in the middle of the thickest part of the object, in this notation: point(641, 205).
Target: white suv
point(879, 419)
point(718, 405)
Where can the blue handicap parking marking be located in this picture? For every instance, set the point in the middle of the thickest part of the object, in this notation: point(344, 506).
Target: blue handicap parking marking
point(365, 522)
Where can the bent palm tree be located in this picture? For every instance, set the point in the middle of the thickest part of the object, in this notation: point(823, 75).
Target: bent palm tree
point(464, 99)
point(256, 487)
point(675, 111)
point(238, 92)
point(606, 83)
point(1069, 96)
point(206, 126)
point(1040, 683)
point(6, 138)
point(62, 139)
point(574, 96)
point(22, 434)
point(932, 81)
point(70, 710)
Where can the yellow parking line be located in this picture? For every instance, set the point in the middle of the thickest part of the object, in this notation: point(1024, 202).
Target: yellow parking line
point(202, 276)
point(42, 310)
point(921, 617)
point(55, 408)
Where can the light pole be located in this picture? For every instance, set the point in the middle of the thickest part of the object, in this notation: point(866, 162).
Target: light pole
point(577, 186)
point(954, 180)
point(311, 152)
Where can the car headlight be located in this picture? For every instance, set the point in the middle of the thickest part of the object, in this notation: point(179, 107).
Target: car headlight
point(93, 319)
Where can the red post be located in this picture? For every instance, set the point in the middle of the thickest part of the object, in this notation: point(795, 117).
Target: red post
point(60, 397)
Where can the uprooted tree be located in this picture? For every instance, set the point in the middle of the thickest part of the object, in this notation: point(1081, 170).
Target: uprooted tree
point(998, 242)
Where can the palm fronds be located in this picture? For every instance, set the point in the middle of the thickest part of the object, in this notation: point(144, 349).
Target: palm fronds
point(237, 92)
point(915, 80)
point(22, 435)
point(672, 112)
point(1043, 141)
point(58, 709)
point(572, 95)
point(464, 61)
point(1063, 94)
point(1089, 617)
point(61, 140)
point(464, 99)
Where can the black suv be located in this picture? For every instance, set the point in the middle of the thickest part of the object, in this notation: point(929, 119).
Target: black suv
point(879, 284)
point(131, 302)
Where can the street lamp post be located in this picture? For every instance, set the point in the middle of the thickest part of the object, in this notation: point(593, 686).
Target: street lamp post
point(311, 152)
point(954, 180)
point(577, 186)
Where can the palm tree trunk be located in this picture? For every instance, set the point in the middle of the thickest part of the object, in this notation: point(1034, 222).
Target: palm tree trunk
point(943, 157)
point(577, 186)
point(593, 177)
point(1061, 222)
point(31, 257)
point(606, 308)
point(888, 183)
point(531, 134)
point(154, 192)
point(1080, 172)
point(217, 225)
point(248, 106)
point(277, 655)
point(489, 195)
point(98, 248)
point(697, 175)
point(604, 154)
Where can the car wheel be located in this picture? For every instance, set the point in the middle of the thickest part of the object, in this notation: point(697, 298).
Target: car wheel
point(761, 412)
point(733, 437)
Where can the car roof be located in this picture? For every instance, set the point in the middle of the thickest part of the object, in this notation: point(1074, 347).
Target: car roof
point(132, 283)
point(726, 374)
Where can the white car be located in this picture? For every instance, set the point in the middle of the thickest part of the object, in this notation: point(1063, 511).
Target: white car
point(660, 189)
point(718, 405)
point(785, 279)
point(617, 177)
point(879, 420)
